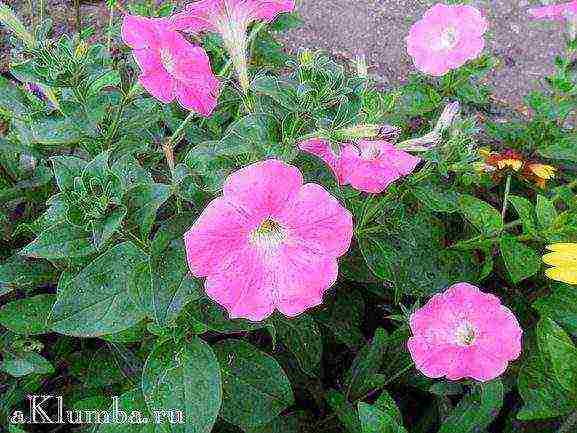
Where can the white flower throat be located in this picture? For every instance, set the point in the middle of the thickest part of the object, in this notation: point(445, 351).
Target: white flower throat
point(269, 235)
point(167, 60)
point(449, 38)
point(465, 334)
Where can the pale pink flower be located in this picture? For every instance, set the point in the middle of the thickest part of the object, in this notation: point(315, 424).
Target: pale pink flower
point(369, 166)
point(464, 333)
point(446, 38)
point(230, 18)
point(558, 12)
point(269, 242)
point(171, 66)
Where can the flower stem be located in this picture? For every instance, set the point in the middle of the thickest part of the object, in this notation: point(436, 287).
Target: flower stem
point(506, 198)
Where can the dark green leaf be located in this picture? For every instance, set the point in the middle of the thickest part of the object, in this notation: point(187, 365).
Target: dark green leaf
point(187, 379)
point(255, 388)
point(521, 261)
point(27, 316)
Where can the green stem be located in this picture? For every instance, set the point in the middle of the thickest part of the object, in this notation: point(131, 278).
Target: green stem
point(78, 17)
point(109, 36)
point(506, 198)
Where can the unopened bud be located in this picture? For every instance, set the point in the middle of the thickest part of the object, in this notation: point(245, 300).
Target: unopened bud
point(448, 116)
point(81, 50)
point(306, 57)
point(381, 132)
point(421, 144)
point(361, 65)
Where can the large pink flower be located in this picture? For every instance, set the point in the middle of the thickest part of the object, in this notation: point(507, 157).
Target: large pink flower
point(464, 332)
point(269, 242)
point(171, 66)
point(446, 38)
point(558, 12)
point(230, 18)
point(369, 166)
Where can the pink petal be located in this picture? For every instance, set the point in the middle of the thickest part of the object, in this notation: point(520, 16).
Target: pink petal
point(159, 84)
point(198, 17)
point(435, 347)
point(243, 285)
point(302, 278)
point(319, 222)
point(266, 10)
point(220, 230)
point(264, 188)
point(139, 32)
point(196, 97)
point(148, 60)
point(323, 149)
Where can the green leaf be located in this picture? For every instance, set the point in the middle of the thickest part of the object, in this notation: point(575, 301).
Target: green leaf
point(11, 97)
point(216, 319)
point(24, 363)
point(27, 316)
point(521, 261)
point(66, 169)
point(255, 388)
point(96, 302)
point(130, 403)
point(302, 337)
point(143, 201)
point(413, 256)
point(565, 148)
point(103, 230)
point(343, 316)
point(374, 420)
point(482, 215)
point(21, 273)
point(560, 305)
point(543, 395)
point(367, 362)
point(283, 424)
point(172, 286)
point(52, 131)
point(526, 213)
point(59, 242)
point(187, 379)
point(386, 404)
point(546, 212)
point(476, 410)
point(562, 353)
point(437, 200)
point(344, 411)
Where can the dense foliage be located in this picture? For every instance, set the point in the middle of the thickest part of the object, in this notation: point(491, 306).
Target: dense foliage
point(99, 181)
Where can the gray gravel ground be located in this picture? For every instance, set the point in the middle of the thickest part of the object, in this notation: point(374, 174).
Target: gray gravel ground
point(378, 28)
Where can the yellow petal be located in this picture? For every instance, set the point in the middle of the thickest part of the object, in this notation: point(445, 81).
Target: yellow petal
point(569, 248)
point(543, 171)
point(561, 274)
point(563, 260)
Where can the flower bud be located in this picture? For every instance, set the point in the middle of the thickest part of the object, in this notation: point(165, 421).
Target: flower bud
point(448, 116)
point(306, 57)
point(382, 132)
point(361, 65)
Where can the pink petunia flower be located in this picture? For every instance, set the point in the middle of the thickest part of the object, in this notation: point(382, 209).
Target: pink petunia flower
point(171, 66)
point(446, 38)
point(462, 333)
point(269, 242)
point(369, 166)
point(230, 18)
point(558, 12)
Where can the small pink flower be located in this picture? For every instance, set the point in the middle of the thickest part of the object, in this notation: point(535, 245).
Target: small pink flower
point(269, 242)
point(171, 66)
point(464, 332)
point(230, 18)
point(369, 166)
point(558, 12)
point(446, 38)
